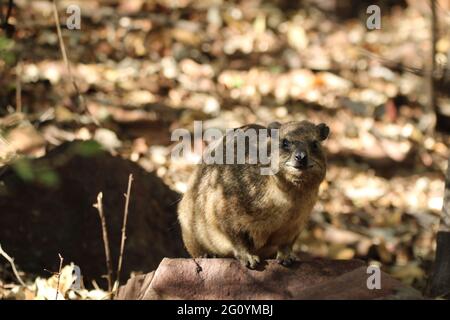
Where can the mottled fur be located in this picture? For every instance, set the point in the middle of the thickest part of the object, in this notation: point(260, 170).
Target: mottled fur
point(234, 211)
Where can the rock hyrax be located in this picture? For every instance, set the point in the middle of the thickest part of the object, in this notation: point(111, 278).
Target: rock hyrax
point(232, 210)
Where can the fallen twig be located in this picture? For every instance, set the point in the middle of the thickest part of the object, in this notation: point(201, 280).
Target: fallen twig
point(99, 207)
point(124, 227)
point(11, 262)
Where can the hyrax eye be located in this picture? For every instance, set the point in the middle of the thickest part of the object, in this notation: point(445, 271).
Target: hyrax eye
point(285, 144)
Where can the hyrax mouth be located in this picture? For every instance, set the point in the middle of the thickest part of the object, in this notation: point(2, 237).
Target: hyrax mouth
point(299, 166)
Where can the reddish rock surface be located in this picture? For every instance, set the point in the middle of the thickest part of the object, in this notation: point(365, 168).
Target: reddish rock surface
point(227, 279)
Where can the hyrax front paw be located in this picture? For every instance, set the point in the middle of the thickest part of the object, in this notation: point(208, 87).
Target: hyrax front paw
point(285, 258)
point(248, 260)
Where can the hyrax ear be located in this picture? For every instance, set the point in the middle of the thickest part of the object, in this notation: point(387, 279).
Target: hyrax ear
point(273, 125)
point(323, 130)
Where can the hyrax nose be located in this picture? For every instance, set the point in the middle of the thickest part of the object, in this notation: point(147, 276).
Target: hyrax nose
point(301, 157)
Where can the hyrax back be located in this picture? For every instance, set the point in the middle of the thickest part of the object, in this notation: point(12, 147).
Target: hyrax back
point(232, 210)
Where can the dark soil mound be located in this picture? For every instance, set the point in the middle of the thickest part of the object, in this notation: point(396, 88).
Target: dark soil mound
point(51, 212)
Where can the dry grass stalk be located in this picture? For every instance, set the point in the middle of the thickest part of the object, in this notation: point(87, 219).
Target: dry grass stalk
point(13, 265)
point(99, 207)
point(124, 227)
point(61, 259)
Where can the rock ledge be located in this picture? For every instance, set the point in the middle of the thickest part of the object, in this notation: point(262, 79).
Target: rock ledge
point(227, 279)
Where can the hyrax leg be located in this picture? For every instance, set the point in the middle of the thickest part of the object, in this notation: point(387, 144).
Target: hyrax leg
point(285, 256)
point(243, 247)
point(246, 258)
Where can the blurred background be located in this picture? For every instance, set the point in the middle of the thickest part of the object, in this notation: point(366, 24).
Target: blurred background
point(141, 68)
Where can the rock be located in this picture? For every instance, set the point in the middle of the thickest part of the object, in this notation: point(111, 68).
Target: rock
point(35, 228)
point(227, 279)
point(353, 285)
point(138, 288)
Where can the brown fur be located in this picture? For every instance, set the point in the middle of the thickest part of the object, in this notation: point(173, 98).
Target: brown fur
point(234, 211)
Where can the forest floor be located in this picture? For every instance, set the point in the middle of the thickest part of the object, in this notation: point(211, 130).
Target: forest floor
point(146, 68)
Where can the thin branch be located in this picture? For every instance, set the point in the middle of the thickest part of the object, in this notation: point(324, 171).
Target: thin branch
point(18, 87)
point(397, 66)
point(1, 12)
point(61, 259)
point(8, 12)
point(431, 83)
point(63, 47)
point(81, 105)
point(11, 262)
point(4, 19)
point(124, 227)
point(99, 207)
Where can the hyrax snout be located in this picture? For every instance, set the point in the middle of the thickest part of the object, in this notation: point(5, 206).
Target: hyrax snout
point(232, 210)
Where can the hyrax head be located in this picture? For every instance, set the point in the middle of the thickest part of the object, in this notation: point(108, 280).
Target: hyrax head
point(301, 157)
